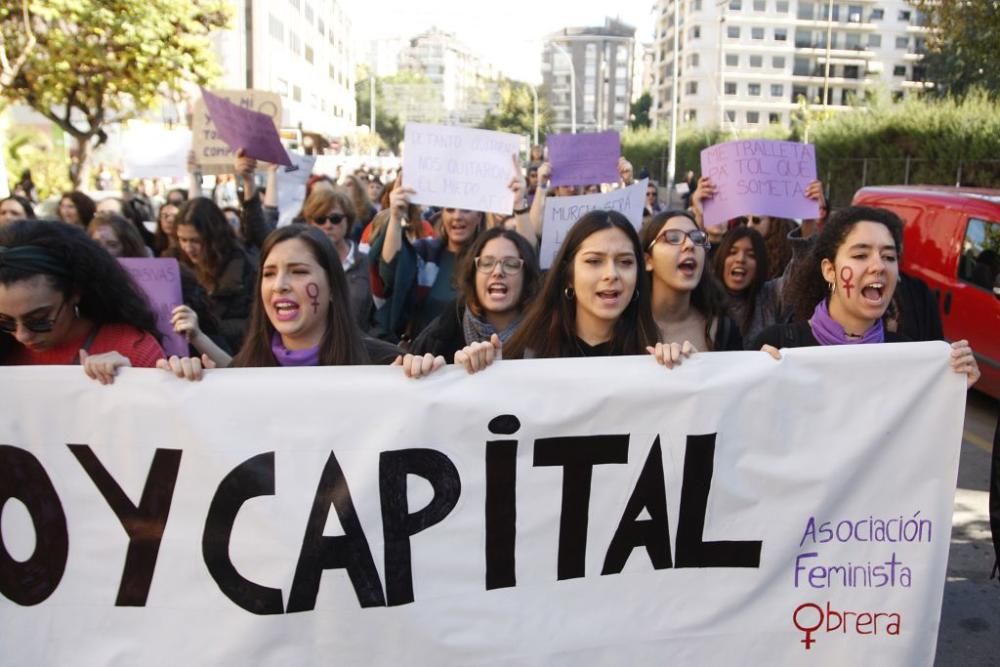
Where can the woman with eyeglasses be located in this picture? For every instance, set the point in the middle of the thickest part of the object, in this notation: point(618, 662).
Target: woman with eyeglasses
point(687, 303)
point(330, 210)
point(64, 300)
point(496, 282)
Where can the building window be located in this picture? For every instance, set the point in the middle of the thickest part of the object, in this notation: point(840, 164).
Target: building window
point(854, 13)
point(801, 67)
point(275, 28)
point(309, 17)
point(852, 72)
point(735, 5)
point(877, 15)
point(852, 40)
point(694, 32)
point(294, 44)
point(874, 41)
point(778, 62)
point(696, 6)
point(777, 90)
point(799, 92)
point(756, 33)
point(730, 87)
point(693, 60)
point(691, 88)
point(690, 116)
point(332, 72)
point(807, 11)
point(760, 5)
point(733, 32)
point(904, 15)
point(753, 89)
point(899, 70)
point(309, 54)
point(322, 30)
point(756, 61)
point(731, 116)
point(732, 60)
point(774, 118)
point(753, 117)
point(296, 93)
point(981, 238)
point(902, 42)
point(781, 6)
point(781, 34)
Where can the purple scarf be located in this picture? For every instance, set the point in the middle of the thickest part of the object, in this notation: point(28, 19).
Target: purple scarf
point(829, 332)
point(286, 357)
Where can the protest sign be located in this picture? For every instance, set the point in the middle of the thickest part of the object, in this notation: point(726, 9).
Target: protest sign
point(160, 280)
point(759, 177)
point(212, 153)
point(735, 509)
point(589, 158)
point(292, 186)
point(460, 167)
point(152, 151)
point(561, 213)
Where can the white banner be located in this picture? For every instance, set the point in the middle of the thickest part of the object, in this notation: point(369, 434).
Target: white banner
point(734, 510)
point(561, 213)
point(151, 151)
point(460, 167)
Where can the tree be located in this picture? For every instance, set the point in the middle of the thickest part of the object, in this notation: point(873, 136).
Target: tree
point(961, 48)
point(640, 112)
point(516, 112)
point(387, 125)
point(100, 62)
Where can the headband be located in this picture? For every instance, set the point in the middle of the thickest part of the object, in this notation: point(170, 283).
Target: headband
point(31, 259)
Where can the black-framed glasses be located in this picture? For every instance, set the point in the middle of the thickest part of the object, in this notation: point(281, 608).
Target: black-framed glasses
point(677, 236)
point(37, 325)
point(509, 265)
point(335, 218)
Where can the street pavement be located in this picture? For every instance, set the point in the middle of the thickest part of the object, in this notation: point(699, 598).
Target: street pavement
point(970, 617)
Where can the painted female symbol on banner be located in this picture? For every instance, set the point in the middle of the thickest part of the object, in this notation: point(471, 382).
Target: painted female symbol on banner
point(312, 291)
point(847, 274)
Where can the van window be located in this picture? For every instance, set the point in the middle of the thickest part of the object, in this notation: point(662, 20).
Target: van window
point(980, 263)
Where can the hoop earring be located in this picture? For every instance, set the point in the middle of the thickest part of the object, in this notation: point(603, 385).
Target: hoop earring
point(833, 288)
point(569, 293)
point(76, 311)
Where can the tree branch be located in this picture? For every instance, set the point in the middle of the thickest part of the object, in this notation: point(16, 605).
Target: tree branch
point(8, 71)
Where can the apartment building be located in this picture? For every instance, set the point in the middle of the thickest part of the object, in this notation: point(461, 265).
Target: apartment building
point(747, 63)
point(600, 61)
point(300, 49)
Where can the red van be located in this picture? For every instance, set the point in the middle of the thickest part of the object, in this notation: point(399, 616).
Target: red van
point(951, 241)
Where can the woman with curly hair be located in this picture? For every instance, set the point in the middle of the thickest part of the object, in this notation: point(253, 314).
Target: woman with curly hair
point(76, 208)
point(208, 245)
point(64, 300)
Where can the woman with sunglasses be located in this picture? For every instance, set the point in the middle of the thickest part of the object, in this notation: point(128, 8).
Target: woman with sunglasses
point(688, 305)
point(330, 210)
point(842, 293)
point(64, 300)
point(496, 282)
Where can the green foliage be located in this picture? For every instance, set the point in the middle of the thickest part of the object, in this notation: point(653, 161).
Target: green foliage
point(31, 148)
point(962, 48)
point(916, 141)
point(98, 62)
point(639, 112)
point(516, 112)
point(387, 126)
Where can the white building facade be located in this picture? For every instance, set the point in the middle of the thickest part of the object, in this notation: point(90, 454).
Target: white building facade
point(300, 49)
point(745, 64)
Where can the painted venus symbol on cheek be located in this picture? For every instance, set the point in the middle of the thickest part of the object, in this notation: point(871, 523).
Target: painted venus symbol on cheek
point(312, 291)
point(846, 275)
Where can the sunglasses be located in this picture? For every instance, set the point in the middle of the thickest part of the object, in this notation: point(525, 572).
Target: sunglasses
point(677, 236)
point(335, 218)
point(37, 325)
point(509, 265)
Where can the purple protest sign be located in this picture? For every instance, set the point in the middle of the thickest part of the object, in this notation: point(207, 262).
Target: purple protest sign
point(584, 159)
point(250, 130)
point(759, 177)
point(160, 281)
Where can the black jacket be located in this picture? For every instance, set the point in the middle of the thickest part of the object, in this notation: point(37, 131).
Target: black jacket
point(444, 335)
point(799, 334)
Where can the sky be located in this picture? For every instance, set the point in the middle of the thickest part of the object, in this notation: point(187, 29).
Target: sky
point(506, 34)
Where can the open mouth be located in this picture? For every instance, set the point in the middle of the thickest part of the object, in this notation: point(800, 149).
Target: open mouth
point(286, 310)
point(498, 290)
point(688, 266)
point(609, 297)
point(873, 292)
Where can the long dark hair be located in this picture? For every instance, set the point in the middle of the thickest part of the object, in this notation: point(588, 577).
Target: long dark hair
point(217, 238)
point(465, 277)
point(161, 240)
point(549, 327)
point(125, 231)
point(29, 210)
point(106, 291)
point(808, 287)
point(342, 339)
point(760, 276)
point(707, 297)
point(85, 206)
